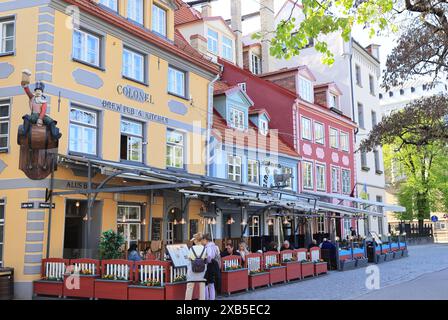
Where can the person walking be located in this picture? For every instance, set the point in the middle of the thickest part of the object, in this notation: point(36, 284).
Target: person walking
point(213, 274)
point(197, 251)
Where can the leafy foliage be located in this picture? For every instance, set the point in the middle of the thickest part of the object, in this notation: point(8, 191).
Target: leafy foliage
point(110, 245)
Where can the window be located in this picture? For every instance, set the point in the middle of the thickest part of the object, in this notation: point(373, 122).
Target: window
point(7, 30)
point(319, 133)
point(374, 119)
point(364, 161)
point(86, 47)
point(234, 168)
point(4, 124)
point(252, 172)
point(334, 138)
point(379, 199)
point(347, 225)
point(346, 182)
point(212, 41)
point(401, 92)
point(2, 228)
point(254, 226)
point(129, 223)
point(372, 84)
point(307, 175)
point(320, 177)
point(334, 101)
point(176, 82)
point(237, 119)
point(358, 75)
point(83, 131)
point(377, 162)
point(381, 96)
point(135, 10)
point(306, 128)
point(306, 90)
point(344, 141)
point(175, 149)
point(361, 115)
point(133, 65)
point(335, 180)
point(255, 62)
point(288, 170)
point(131, 140)
point(391, 94)
point(111, 4)
point(321, 225)
point(227, 48)
point(264, 128)
point(243, 86)
point(412, 89)
point(159, 20)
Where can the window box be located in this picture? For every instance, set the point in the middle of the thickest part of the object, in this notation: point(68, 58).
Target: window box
point(258, 279)
point(307, 268)
point(320, 267)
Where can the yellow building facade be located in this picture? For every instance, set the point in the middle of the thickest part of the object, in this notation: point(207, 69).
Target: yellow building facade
point(122, 92)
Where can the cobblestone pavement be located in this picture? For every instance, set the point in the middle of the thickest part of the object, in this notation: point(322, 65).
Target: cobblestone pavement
point(423, 260)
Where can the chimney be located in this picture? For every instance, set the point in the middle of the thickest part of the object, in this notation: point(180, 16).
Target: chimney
point(199, 43)
point(237, 28)
point(206, 10)
point(267, 32)
point(374, 50)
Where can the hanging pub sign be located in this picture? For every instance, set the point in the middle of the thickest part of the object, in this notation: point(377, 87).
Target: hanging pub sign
point(275, 175)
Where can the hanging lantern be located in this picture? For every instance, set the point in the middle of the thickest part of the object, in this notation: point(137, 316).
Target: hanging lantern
point(214, 221)
point(244, 222)
point(270, 222)
point(182, 221)
point(85, 218)
point(123, 219)
point(175, 222)
point(144, 222)
point(77, 204)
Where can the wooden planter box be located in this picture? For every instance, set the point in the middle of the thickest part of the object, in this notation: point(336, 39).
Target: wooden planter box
point(175, 290)
point(257, 280)
point(277, 274)
point(398, 254)
point(307, 269)
point(389, 256)
point(86, 287)
point(139, 292)
point(405, 253)
point(48, 288)
point(347, 264)
point(111, 289)
point(320, 268)
point(234, 281)
point(293, 270)
point(361, 262)
point(380, 258)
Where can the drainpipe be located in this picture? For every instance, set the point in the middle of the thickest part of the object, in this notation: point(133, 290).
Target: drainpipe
point(210, 118)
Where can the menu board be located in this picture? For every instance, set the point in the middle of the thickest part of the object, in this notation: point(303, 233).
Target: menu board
point(156, 229)
point(178, 254)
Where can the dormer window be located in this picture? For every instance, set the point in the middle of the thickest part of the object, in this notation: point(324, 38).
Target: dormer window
point(237, 119)
point(264, 128)
point(306, 89)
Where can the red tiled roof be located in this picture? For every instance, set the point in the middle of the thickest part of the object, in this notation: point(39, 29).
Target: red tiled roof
point(221, 86)
point(256, 140)
point(185, 13)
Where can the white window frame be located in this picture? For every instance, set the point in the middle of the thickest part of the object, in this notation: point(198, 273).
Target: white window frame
point(358, 76)
point(264, 127)
point(135, 10)
point(255, 63)
point(306, 131)
point(212, 41)
point(346, 181)
point(84, 50)
point(128, 222)
point(227, 50)
point(286, 170)
point(254, 226)
point(2, 225)
point(334, 138)
point(306, 90)
point(172, 158)
point(173, 82)
point(319, 185)
point(243, 86)
point(344, 141)
point(234, 162)
point(3, 38)
point(337, 180)
point(159, 20)
point(253, 175)
point(84, 125)
point(111, 4)
point(7, 120)
point(306, 167)
point(237, 118)
point(132, 136)
point(317, 138)
point(361, 115)
point(347, 225)
point(137, 75)
point(320, 223)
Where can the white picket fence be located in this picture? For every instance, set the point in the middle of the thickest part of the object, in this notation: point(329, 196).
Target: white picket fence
point(177, 272)
point(118, 270)
point(301, 256)
point(315, 255)
point(253, 264)
point(268, 260)
point(231, 263)
point(152, 272)
point(55, 270)
point(91, 267)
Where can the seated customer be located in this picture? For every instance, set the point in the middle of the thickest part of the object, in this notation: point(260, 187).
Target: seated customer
point(230, 250)
point(286, 246)
point(133, 254)
point(313, 244)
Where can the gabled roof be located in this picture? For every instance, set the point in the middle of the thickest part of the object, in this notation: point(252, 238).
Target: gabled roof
point(257, 141)
point(259, 111)
point(222, 87)
point(329, 86)
point(302, 70)
point(185, 13)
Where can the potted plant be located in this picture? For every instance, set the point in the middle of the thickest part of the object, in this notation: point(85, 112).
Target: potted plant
point(277, 273)
point(52, 278)
point(320, 267)
point(83, 272)
point(151, 289)
point(115, 279)
point(257, 276)
point(149, 280)
point(293, 269)
point(234, 277)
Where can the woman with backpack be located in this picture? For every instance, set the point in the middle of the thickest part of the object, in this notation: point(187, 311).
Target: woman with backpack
point(197, 268)
point(213, 274)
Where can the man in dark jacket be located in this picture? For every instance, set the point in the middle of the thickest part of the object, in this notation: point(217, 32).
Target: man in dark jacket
point(230, 250)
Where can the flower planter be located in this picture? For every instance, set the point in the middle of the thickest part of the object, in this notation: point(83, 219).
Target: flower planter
point(234, 281)
point(259, 279)
point(175, 290)
point(398, 254)
point(86, 287)
point(389, 256)
point(48, 288)
point(111, 289)
point(347, 264)
point(380, 258)
point(293, 270)
point(141, 292)
point(320, 268)
point(361, 262)
point(277, 274)
point(307, 269)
